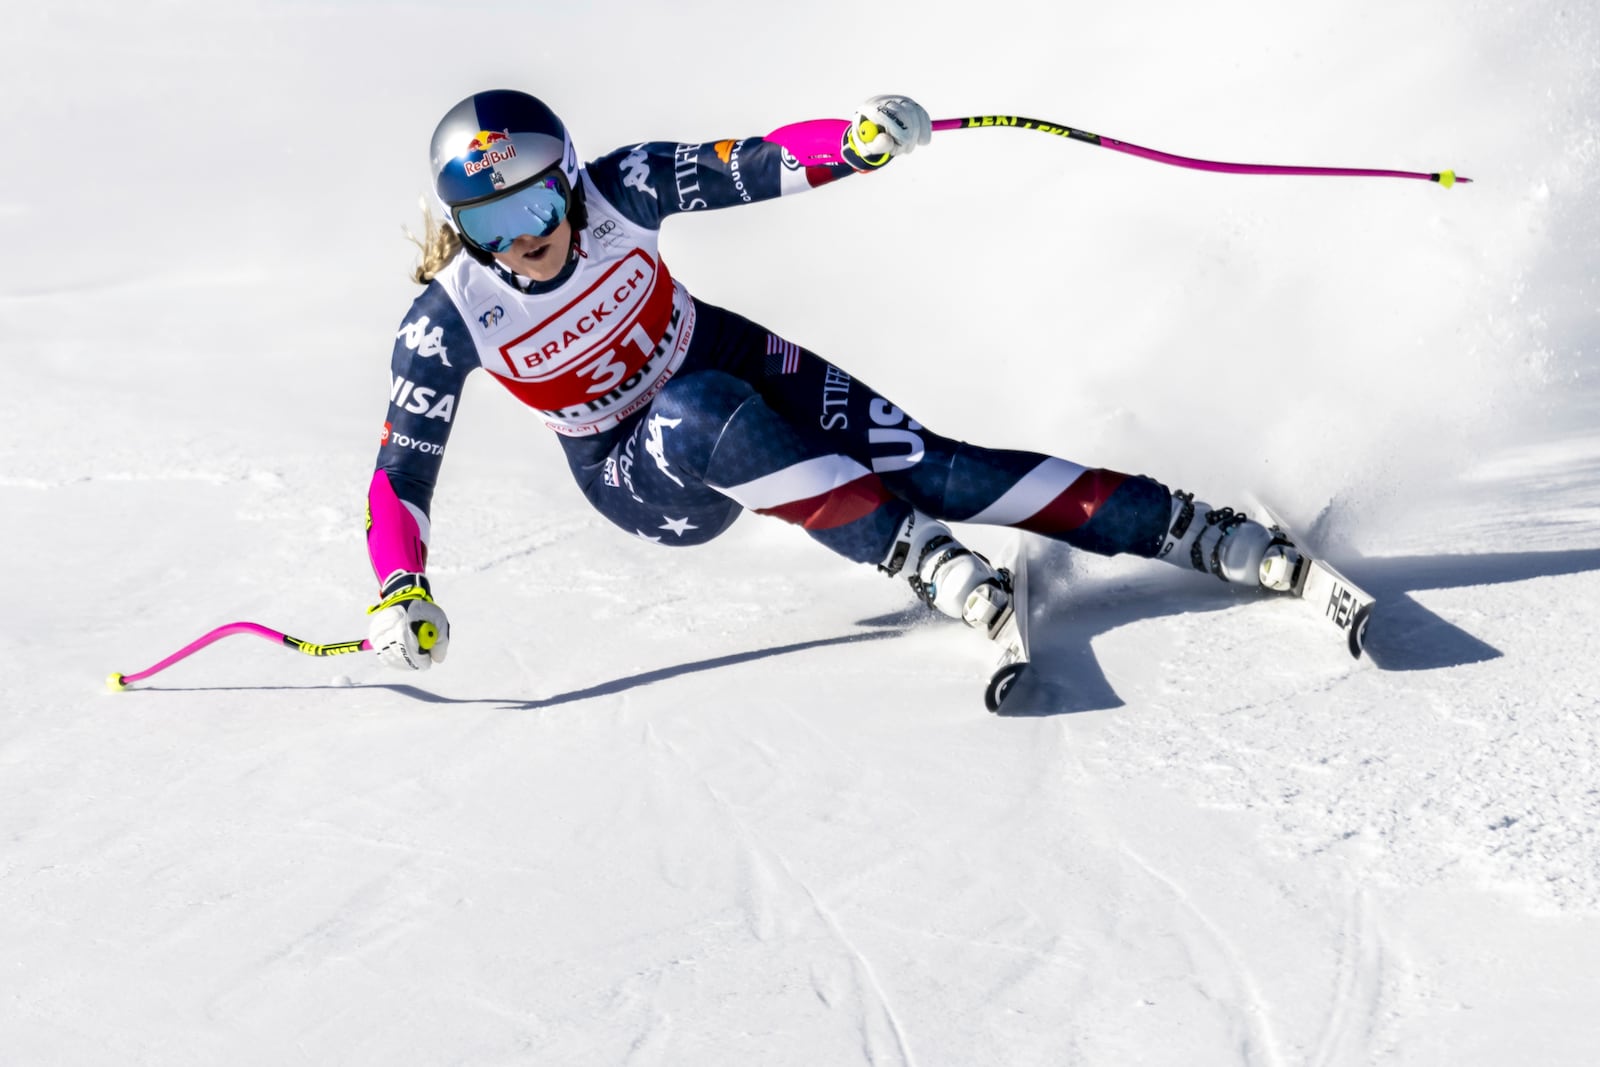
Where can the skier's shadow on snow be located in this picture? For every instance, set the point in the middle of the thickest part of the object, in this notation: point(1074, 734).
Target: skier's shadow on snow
point(1403, 634)
point(894, 627)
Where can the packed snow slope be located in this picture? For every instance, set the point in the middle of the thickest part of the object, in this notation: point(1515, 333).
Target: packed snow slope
point(741, 804)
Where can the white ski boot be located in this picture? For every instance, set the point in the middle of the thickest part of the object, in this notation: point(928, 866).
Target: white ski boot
point(1230, 545)
point(948, 576)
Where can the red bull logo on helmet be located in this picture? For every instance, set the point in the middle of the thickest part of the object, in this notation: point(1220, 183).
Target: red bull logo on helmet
point(494, 147)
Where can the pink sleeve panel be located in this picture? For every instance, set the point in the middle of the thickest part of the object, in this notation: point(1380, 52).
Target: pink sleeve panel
point(395, 537)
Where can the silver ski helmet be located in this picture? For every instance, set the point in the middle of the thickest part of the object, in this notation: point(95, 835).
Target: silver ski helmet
point(507, 155)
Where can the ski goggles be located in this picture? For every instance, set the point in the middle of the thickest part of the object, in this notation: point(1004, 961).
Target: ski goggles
point(535, 208)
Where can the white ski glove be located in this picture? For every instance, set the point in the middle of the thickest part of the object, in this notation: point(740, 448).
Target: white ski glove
point(885, 127)
point(408, 629)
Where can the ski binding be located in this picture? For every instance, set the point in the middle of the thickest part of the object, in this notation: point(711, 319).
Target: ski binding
point(1342, 604)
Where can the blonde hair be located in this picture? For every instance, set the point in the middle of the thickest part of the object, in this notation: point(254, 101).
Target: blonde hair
point(439, 244)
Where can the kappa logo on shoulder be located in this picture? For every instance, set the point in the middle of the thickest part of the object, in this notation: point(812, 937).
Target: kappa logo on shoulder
point(423, 341)
point(636, 172)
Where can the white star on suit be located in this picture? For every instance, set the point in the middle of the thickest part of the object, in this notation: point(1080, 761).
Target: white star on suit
point(677, 526)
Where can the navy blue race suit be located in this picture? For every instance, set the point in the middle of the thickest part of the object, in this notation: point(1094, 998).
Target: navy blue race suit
point(676, 415)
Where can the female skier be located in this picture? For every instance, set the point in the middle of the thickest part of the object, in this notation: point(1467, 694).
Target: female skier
point(675, 415)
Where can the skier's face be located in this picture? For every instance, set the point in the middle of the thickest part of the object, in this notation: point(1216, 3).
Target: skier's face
point(539, 258)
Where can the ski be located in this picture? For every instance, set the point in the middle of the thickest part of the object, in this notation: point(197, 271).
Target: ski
point(1321, 587)
point(1010, 634)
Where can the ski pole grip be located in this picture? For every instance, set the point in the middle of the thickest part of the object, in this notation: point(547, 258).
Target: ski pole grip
point(427, 635)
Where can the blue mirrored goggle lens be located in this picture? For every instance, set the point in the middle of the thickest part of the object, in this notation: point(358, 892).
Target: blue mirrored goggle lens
point(535, 210)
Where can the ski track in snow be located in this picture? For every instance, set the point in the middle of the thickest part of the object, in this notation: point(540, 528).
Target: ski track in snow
point(1358, 996)
point(1252, 1016)
point(770, 881)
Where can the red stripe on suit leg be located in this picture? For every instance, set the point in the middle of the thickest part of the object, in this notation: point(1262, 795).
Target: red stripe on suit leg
point(837, 507)
point(1076, 505)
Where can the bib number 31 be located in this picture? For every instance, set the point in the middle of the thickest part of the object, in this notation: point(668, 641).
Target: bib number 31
point(610, 369)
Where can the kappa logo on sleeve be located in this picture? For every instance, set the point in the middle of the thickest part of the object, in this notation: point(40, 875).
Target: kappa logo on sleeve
point(636, 172)
point(423, 341)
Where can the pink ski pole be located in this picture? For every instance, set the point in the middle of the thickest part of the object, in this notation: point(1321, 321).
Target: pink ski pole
point(120, 682)
point(816, 141)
